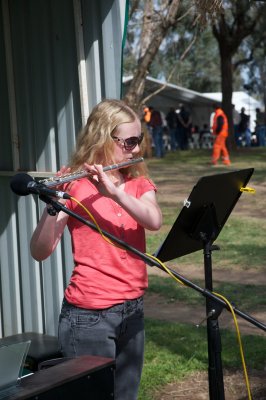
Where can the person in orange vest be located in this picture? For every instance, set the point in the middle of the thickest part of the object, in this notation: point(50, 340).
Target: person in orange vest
point(220, 132)
point(147, 114)
point(147, 130)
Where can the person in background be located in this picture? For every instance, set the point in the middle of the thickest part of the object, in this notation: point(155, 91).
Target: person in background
point(220, 133)
point(146, 129)
point(243, 128)
point(171, 120)
point(156, 124)
point(260, 128)
point(183, 128)
point(211, 119)
point(102, 310)
point(236, 120)
point(146, 114)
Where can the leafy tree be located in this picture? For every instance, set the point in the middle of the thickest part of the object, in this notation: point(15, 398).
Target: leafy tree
point(233, 26)
point(167, 46)
point(255, 70)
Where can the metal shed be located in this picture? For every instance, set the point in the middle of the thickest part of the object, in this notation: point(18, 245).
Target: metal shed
point(58, 58)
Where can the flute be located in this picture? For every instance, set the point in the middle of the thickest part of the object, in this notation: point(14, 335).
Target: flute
point(60, 180)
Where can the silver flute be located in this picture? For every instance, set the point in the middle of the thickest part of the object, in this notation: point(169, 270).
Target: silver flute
point(60, 180)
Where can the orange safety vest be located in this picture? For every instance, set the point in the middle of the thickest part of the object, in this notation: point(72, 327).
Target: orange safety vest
point(147, 115)
point(219, 113)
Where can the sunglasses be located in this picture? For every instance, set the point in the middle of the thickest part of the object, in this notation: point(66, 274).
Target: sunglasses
point(131, 142)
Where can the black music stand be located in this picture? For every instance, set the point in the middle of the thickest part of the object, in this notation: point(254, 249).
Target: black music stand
point(196, 227)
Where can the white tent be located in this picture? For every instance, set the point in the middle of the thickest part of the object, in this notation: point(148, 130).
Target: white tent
point(167, 95)
point(241, 99)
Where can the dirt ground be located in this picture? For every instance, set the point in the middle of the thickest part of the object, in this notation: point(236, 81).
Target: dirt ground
point(159, 308)
point(196, 386)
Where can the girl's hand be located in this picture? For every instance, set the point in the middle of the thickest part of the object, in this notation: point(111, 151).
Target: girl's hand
point(101, 180)
point(63, 171)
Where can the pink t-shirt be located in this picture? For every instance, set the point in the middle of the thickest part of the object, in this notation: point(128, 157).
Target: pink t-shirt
point(105, 274)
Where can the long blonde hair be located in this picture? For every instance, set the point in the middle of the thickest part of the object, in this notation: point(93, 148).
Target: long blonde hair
point(95, 144)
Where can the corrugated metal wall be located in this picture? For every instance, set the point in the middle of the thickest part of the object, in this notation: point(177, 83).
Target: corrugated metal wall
point(58, 58)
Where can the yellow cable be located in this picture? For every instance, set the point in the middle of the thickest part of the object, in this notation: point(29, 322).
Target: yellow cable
point(94, 221)
point(240, 343)
point(166, 269)
point(182, 283)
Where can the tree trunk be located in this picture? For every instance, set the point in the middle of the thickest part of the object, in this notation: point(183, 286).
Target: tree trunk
point(227, 90)
point(160, 28)
point(136, 89)
point(230, 34)
point(147, 28)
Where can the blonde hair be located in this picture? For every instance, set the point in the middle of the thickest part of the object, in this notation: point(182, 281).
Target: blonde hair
point(95, 144)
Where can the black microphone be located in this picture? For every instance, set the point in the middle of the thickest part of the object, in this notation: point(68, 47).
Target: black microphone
point(23, 184)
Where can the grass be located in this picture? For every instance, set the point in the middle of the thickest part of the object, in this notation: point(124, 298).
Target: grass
point(174, 350)
point(241, 243)
point(242, 240)
point(242, 296)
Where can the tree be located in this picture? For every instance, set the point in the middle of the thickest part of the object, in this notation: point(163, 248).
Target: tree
point(151, 39)
point(236, 23)
point(169, 31)
point(256, 70)
point(199, 70)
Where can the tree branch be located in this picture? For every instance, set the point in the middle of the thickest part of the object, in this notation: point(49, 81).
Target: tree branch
point(170, 74)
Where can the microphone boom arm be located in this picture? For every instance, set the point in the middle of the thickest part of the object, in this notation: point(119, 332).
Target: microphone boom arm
point(152, 262)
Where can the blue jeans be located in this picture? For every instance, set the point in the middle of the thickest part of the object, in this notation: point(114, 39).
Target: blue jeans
point(261, 135)
point(172, 132)
point(116, 332)
point(157, 135)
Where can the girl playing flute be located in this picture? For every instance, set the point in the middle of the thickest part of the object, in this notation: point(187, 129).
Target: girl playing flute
point(102, 309)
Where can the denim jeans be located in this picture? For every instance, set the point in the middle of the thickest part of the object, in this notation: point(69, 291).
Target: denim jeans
point(116, 332)
point(173, 142)
point(157, 135)
point(261, 134)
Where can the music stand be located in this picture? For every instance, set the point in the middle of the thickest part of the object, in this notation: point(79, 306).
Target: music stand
point(197, 226)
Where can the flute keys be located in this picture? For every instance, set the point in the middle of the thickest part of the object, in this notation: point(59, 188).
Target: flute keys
point(56, 179)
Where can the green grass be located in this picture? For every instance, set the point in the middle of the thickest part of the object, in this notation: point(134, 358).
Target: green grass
point(242, 239)
point(174, 350)
point(241, 243)
point(243, 296)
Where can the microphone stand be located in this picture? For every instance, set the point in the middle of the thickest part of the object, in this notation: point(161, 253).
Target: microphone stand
point(57, 207)
point(196, 227)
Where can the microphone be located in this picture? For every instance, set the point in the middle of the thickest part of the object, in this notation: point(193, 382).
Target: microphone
point(23, 184)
